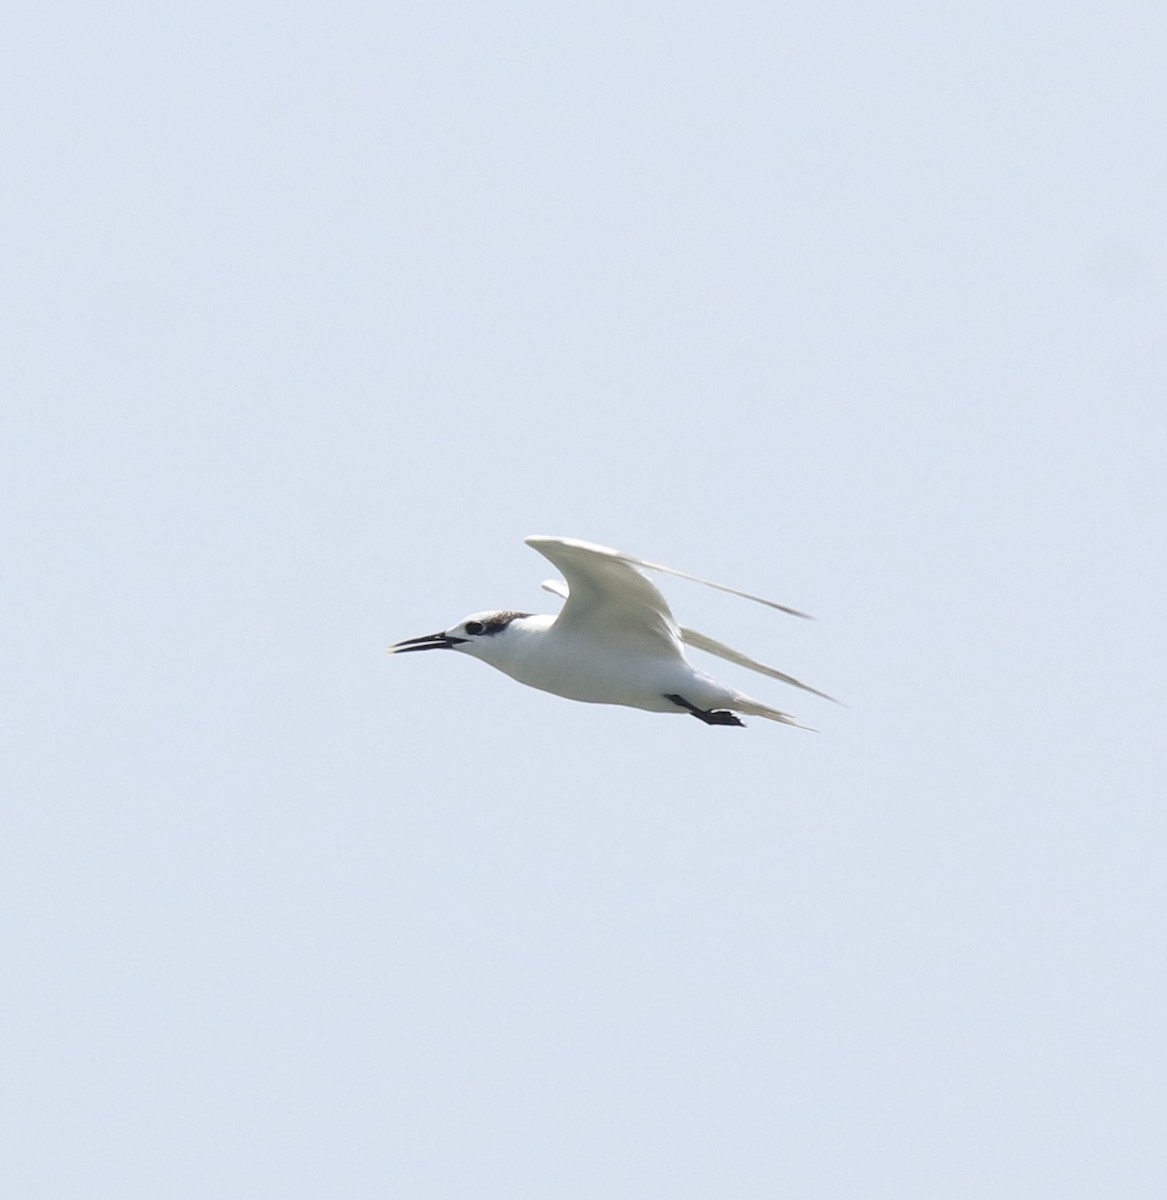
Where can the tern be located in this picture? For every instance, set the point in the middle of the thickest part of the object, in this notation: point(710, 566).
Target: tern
point(615, 640)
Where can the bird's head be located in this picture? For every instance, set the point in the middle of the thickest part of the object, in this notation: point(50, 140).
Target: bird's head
point(480, 635)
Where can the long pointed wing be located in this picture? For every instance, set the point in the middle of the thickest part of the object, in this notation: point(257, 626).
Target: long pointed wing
point(539, 543)
point(608, 599)
point(701, 641)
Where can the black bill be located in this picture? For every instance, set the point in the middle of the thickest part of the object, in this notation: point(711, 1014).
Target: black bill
point(431, 641)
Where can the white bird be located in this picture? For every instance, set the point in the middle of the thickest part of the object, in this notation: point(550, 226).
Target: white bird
point(615, 641)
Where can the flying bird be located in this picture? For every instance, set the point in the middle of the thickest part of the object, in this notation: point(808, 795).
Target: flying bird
point(614, 641)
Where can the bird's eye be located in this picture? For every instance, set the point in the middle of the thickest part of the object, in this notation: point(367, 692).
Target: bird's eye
point(474, 627)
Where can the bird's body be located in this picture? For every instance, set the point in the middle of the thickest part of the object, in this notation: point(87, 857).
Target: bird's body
point(567, 664)
point(615, 641)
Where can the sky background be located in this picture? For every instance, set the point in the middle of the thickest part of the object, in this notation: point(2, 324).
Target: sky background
point(311, 314)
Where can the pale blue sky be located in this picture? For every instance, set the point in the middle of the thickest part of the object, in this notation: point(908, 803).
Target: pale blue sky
point(313, 314)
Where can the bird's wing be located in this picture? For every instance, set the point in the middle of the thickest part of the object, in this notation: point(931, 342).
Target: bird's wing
point(552, 547)
point(702, 641)
point(608, 599)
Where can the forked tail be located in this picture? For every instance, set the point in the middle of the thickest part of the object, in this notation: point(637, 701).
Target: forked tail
point(755, 708)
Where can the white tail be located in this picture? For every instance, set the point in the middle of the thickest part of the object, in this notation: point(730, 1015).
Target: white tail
point(755, 708)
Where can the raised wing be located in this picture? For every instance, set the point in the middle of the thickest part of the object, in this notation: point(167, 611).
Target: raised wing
point(546, 546)
point(608, 598)
point(631, 560)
